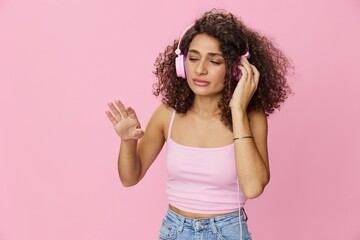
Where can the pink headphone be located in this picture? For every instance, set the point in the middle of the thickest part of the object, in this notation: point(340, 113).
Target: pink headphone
point(180, 59)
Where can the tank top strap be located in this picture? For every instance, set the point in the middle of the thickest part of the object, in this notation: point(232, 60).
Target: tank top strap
point(171, 123)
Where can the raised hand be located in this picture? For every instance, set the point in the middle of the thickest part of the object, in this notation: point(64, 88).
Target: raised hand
point(246, 87)
point(124, 120)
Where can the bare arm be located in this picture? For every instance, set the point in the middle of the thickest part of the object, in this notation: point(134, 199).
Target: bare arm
point(251, 153)
point(138, 149)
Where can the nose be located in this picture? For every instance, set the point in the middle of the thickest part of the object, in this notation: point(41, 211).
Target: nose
point(201, 68)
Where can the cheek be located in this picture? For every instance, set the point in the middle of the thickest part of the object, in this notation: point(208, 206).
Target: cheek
point(190, 66)
point(220, 74)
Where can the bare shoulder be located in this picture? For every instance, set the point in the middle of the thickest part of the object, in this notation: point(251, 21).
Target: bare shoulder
point(161, 117)
point(155, 132)
point(162, 113)
point(163, 110)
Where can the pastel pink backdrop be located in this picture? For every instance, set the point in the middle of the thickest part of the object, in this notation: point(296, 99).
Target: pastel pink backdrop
point(62, 61)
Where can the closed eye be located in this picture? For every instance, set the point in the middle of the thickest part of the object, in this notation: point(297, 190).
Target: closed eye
point(215, 62)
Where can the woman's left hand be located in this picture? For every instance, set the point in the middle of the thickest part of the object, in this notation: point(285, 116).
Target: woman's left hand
point(246, 87)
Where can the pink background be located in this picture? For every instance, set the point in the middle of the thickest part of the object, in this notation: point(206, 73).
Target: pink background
point(62, 61)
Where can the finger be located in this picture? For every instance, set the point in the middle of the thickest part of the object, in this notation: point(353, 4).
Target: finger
point(246, 65)
point(253, 70)
point(115, 111)
point(256, 75)
point(138, 133)
point(122, 109)
point(132, 114)
point(244, 73)
point(111, 118)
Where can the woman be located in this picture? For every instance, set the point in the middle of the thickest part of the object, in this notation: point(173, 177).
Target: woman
point(218, 82)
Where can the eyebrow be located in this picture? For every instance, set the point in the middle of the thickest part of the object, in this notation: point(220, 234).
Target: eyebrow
point(210, 53)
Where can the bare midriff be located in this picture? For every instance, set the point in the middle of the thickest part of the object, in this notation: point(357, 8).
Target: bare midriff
point(194, 215)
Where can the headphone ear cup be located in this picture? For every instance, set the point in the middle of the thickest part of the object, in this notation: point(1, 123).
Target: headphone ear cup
point(238, 74)
point(180, 66)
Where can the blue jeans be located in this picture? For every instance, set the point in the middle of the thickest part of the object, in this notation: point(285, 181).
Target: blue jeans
point(226, 227)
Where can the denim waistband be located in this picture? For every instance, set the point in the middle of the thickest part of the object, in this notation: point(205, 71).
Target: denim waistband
point(205, 223)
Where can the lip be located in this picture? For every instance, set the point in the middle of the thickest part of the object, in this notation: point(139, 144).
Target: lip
point(200, 82)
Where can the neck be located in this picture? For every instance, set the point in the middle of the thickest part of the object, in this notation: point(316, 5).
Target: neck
point(206, 106)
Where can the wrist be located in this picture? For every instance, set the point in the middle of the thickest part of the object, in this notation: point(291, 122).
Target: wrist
point(238, 111)
point(241, 125)
point(129, 141)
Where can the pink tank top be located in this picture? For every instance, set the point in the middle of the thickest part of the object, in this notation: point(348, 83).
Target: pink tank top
point(202, 180)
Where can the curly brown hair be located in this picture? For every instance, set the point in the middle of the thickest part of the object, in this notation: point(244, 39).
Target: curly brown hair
point(235, 39)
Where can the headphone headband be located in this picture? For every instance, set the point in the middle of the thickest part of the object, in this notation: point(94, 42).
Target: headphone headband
point(180, 59)
point(178, 51)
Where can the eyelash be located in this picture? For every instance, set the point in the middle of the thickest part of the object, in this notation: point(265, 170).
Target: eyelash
point(213, 62)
